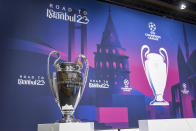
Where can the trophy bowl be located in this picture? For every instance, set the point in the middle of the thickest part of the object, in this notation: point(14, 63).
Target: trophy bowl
point(67, 85)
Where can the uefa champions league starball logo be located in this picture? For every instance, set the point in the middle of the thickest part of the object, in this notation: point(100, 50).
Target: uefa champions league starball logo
point(152, 27)
point(152, 35)
point(126, 82)
point(126, 87)
point(185, 91)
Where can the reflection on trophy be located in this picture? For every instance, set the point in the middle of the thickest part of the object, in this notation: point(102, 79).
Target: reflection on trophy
point(156, 72)
point(68, 85)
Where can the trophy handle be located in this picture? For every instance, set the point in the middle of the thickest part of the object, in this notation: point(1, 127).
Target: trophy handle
point(160, 51)
point(86, 71)
point(85, 77)
point(146, 53)
point(52, 82)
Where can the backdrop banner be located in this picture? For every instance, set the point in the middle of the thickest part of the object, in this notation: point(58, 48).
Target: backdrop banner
point(142, 66)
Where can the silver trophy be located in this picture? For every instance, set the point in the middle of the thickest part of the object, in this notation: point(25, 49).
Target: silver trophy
point(156, 71)
point(67, 85)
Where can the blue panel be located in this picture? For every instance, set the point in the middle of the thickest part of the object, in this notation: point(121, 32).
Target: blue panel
point(86, 113)
point(136, 107)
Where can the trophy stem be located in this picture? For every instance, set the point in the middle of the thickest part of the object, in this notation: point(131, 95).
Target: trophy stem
point(159, 101)
point(68, 118)
point(159, 97)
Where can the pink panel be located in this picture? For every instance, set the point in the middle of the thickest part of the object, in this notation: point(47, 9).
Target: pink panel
point(113, 114)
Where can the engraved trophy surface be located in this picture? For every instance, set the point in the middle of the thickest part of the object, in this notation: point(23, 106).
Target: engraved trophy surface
point(67, 85)
point(156, 71)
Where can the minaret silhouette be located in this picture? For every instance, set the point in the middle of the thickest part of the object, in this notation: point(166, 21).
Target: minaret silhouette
point(183, 70)
point(186, 42)
point(111, 63)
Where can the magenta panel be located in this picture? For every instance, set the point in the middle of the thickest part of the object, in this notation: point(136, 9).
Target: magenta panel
point(112, 114)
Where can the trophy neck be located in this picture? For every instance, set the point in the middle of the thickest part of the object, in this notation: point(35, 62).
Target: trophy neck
point(68, 66)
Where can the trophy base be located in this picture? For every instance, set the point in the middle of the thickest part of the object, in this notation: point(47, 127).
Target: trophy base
point(159, 103)
point(81, 126)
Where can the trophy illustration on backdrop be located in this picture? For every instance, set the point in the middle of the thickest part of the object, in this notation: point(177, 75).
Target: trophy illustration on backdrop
point(156, 71)
point(67, 85)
